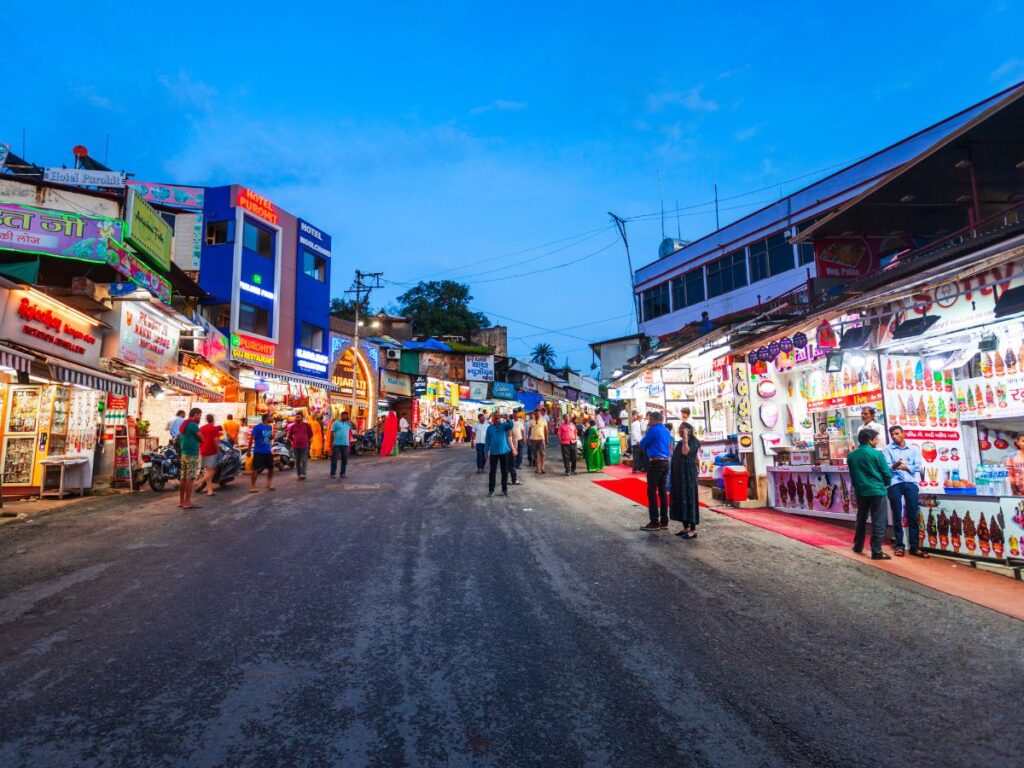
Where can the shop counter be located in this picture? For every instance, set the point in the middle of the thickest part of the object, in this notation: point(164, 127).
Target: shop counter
point(817, 491)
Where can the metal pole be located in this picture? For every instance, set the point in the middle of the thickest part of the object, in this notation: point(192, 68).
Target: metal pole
point(355, 344)
point(620, 223)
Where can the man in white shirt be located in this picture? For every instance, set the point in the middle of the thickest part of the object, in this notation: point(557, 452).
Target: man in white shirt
point(404, 435)
point(480, 442)
point(867, 415)
point(519, 433)
point(599, 419)
point(636, 434)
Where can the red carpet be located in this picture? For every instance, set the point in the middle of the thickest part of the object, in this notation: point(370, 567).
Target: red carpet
point(633, 488)
point(621, 471)
point(809, 530)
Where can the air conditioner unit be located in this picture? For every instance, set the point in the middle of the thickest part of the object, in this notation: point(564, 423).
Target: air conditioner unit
point(392, 354)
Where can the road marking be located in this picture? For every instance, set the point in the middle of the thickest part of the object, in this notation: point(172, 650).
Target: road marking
point(359, 486)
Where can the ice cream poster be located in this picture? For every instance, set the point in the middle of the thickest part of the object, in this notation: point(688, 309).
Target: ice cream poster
point(975, 527)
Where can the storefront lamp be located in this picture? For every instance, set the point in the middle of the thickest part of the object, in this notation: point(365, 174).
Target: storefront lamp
point(1010, 302)
point(853, 338)
point(908, 329)
point(937, 363)
point(156, 392)
point(834, 362)
point(858, 360)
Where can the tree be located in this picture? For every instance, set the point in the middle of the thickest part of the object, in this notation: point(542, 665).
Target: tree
point(544, 354)
point(441, 308)
point(346, 308)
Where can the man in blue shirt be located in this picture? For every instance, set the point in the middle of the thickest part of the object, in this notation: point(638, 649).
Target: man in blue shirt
point(497, 447)
point(341, 429)
point(261, 439)
point(906, 464)
point(657, 445)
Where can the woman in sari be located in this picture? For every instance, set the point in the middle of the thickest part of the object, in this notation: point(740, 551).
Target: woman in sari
point(592, 448)
point(316, 445)
point(683, 504)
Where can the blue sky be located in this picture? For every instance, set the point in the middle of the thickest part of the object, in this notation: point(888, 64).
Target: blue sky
point(435, 138)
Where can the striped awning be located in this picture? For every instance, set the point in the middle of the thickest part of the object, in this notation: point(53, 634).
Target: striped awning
point(19, 361)
point(293, 378)
point(180, 382)
point(69, 373)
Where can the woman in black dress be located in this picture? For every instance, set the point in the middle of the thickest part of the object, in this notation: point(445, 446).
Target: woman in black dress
point(683, 503)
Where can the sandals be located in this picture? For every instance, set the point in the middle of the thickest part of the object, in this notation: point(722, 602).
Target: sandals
point(920, 553)
point(254, 490)
point(900, 552)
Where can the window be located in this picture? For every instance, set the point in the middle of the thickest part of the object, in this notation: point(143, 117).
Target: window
point(806, 253)
point(219, 315)
point(253, 319)
point(314, 266)
point(758, 261)
point(727, 273)
point(258, 240)
point(655, 302)
point(219, 232)
point(780, 254)
point(312, 337)
point(688, 289)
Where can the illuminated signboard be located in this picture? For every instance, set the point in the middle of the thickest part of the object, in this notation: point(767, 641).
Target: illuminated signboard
point(257, 204)
point(41, 323)
point(255, 289)
point(311, 362)
point(147, 232)
point(252, 350)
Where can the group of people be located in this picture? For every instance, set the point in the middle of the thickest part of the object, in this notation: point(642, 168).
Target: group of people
point(671, 467)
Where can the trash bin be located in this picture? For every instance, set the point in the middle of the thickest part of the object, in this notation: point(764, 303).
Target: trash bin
point(612, 451)
point(735, 483)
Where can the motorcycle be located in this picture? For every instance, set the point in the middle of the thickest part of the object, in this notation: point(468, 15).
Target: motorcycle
point(164, 465)
point(281, 450)
point(438, 436)
point(229, 465)
point(364, 443)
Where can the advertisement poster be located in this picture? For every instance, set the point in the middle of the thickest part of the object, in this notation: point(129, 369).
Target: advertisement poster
point(855, 256)
point(1013, 528)
point(923, 402)
point(480, 367)
point(74, 236)
point(477, 390)
point(819, 494)
point(147, 232)
point(169, 194)
point(971, 526)
point(991, 396)
point(147, 338)
point(741, 401)
point(441, 365)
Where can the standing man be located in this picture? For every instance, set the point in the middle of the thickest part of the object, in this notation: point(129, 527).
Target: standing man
point(480, 442)
point(174, 425)
point(519, 428)
point(906, 464)
point(301, 435)
point(209, 450)
point(870, 476)
point(499, 450)
point(657, 444)
point(341, 431)
point(636, 434)
point(515, 448)
point(600, 419)
point(404, 433)
point(538, 441)
point(189, 441)
point(567, 440)
point(867, 415)
point(261, 438)
point(231, 429)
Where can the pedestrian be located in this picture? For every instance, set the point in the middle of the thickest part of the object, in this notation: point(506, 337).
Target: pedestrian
point(174, 426)
point(261, 439)
point(209, 450)
point(515, 448)
point(684, 506)
point(592, 448)
point(600, 419)
point(658, 445)
point(189, 440)
point(519, 427)
point(567, 441)
point(906, 464)
point(636, 434)
point(341, 431)
point(301, 437)
point(480, 443)
point(243, 432)
point(538, 441)
point(404, 433)
point(870, 477)
point(231, 429)
point(316, 445)
point(499, 451)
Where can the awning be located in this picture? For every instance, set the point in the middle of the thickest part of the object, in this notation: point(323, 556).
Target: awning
point(19, 361)
point(69, 373)
point(180, 382)
point(294, 378)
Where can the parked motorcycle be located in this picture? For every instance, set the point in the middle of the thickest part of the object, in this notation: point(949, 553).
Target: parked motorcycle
point(164, 465)
point(438, 436)
point(281, 450)
point(229, 465)
point(367, 442)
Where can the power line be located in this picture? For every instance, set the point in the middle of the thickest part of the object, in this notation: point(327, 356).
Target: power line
point(533, 259)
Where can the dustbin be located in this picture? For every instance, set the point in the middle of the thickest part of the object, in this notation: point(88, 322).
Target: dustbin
point(612, 451)
point(735, 483)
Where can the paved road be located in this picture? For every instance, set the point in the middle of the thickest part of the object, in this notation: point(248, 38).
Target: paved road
point(402, 618)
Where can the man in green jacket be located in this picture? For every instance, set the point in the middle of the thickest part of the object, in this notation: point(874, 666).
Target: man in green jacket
point(870, 476)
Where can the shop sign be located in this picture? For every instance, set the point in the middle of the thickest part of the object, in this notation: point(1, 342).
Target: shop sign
point(419, 386)
point(146, 338)
point(258, 205)
point(502, 390)
point(313, 239)
point(529, 384)
point(990, 397)
point(477, 390)
point(53, 233)
point(396, 383)
point(47, 326)
point(169, 194)
point(252, 350)
point(256, 290)
point(83, 177)
point(681, 375)
point(871, 397)
point(146, 231)
point(347, 369)
point(480, 367)
point(214, 344)
point(442, 365)
point(855, 256)
point(573, 395)
point(311, 361)
point(125, 262)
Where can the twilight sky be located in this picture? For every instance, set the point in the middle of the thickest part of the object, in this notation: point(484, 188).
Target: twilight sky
point(451, 139)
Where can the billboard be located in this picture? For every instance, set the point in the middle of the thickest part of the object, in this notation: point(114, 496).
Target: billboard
point(147, 232)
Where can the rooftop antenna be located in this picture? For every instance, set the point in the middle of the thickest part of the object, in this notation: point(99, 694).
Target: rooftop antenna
point(717, 225)
point(661, 194)
point(106, 150)
point(23, 142)
point(620, 224)
point(679, 228)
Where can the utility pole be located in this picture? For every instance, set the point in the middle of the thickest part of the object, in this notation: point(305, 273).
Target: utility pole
point(620, 223)
point(360, 290)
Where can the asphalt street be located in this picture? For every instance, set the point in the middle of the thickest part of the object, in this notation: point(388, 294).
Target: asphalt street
point(401, 618)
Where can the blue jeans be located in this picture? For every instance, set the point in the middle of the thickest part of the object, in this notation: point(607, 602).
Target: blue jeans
point(904, 496)
point(339, 452)
point(481, 453)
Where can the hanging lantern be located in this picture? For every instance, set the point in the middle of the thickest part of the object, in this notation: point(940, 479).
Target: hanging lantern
point(752, 357)
point(774, 349)
point(800, 340)
point(786, 344)
point(763, 355)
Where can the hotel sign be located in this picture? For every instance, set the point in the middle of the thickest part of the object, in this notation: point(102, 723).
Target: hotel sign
point(252, 350)
point(257, 205)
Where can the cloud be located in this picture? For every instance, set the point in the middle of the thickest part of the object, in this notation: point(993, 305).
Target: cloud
point(90, 96)
point(746, 134)
point(499, 105)
point(727, 73)
point(692, 100)
point(187, 92)
point(1011, 69)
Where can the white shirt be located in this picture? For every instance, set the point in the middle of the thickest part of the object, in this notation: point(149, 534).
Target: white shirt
point(403, 424)
point(870, 425)
point(600, 421)
point(636, 431)
point(480, 433)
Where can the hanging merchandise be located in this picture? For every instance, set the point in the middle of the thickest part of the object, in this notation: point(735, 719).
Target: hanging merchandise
point(763, 355)
point(826, 337)
point(785, 345)
point(766, 388)
point(769, 413)
point(800, 340)
point(773, 350)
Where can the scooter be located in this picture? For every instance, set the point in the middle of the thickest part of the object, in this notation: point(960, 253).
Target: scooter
point(229, 465)
point(438, 436)
point(164, 465)
point(364, 443)
point(281, 450)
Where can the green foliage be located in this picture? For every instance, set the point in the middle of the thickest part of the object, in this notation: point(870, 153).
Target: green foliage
point(441, 308)
point(346, 308)
point(543, 354)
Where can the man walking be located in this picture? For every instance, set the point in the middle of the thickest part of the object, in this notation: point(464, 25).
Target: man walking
point(189, 441)
point(906, 464)
point(231, 429)
point(636, 434)
point(209, 450)
point(538, 441)
point(515, 448)
point(341, 431)
point(404, 433)
point(870, 477)
point(301, 435)
point(567, 441)
point(519, 428)
point(499, 450)
point(261, 438)
point(480, 443)
point(657, 444)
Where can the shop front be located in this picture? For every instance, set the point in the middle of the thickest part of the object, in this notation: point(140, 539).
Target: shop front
point(354, 378)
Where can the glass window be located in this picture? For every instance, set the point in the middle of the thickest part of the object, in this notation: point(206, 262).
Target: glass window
point(688, 289)
point(758, 261)
point(314, 266)
point(258, 240)
point(780, 254)
point(219, 315)
point(655, 302)
point(312, 337)
point(253, 319)
point(727, 273)
point(218, 232)
point(806, 253)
